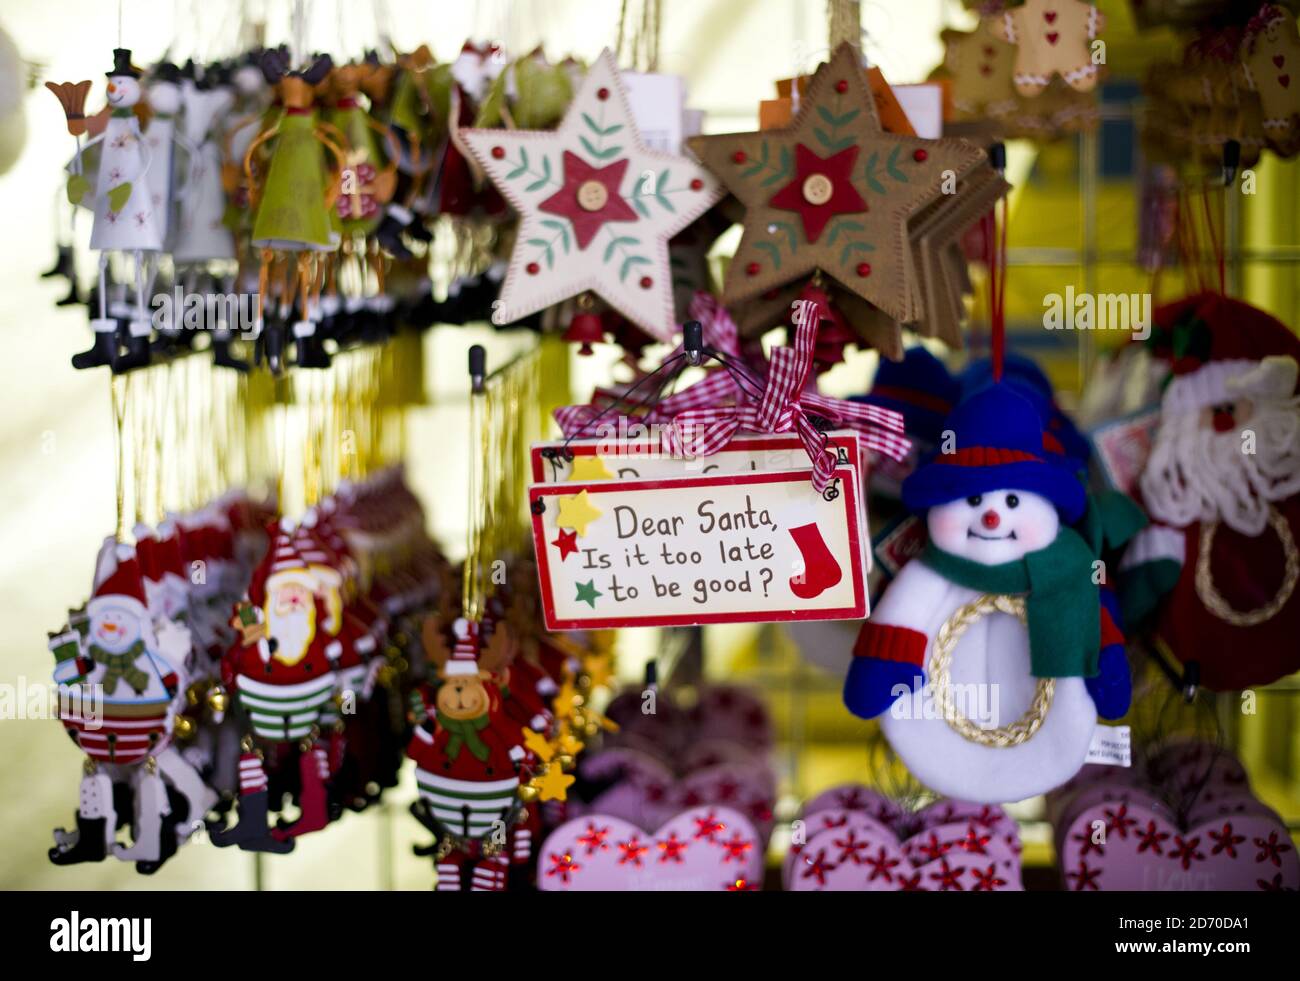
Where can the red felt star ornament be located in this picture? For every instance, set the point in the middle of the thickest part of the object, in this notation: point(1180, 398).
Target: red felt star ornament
point(821, 189)
point(589, 197)
point(567, 543)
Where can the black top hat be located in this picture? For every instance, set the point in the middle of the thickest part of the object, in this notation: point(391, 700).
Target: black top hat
point(167, 72)
point(122, 64)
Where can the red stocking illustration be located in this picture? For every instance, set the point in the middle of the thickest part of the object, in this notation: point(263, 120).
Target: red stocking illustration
point(820, 570)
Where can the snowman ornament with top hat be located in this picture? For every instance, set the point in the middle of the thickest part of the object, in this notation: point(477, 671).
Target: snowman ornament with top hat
point(983, 653)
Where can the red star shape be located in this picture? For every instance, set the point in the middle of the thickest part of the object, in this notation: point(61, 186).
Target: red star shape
point(594, 839)
point(727, 790)
point(881, 865)
point(563, 866)
point(1185, 851)
point(849, 847)
point(1273, 849)
point(708, 826)
point(933, 848)
point(818, 868)
point(1119, 821)
point(1151, 838)
point(672, 849)
point(740, 885)
point(738, 847)
point(567, 543)
point(987, 880)
point(632, 852)
point(1084, 878)
point(910, 883)
point(844, 198)
point(564, 202)
point(946, 876)
point(1226, 841)
point(974, 842)
point(1089, 846)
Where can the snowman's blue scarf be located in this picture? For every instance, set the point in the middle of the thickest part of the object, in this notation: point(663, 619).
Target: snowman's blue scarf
point(1061, 600)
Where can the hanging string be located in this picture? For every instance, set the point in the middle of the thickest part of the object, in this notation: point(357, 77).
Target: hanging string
point(845, 23)
point(996, 235)
point(1216, 245)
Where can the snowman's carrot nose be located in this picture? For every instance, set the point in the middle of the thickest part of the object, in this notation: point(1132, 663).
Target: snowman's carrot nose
point(990, 519)
point(112, 87)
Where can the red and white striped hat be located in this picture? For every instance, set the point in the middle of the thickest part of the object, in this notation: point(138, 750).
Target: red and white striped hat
point(464, 655)
point(282, 564)
point(120, 584)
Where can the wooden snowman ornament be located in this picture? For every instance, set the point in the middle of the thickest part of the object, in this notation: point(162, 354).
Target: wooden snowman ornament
point(982, 651)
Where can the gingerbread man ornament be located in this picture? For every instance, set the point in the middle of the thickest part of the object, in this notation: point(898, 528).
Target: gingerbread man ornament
point(1052, 37)
point(1270, 65)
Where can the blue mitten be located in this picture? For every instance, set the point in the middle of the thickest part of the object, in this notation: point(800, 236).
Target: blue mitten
point(872, 684)
point(1112, 688)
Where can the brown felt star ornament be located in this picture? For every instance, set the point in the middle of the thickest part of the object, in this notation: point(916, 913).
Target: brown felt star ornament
point(833, 191)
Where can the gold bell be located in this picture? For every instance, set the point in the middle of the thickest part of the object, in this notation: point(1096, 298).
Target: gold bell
point(527, 793)
point(184, 728)
point(218, 700)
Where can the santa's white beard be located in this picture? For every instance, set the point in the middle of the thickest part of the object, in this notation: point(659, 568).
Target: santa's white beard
point(292, 633)
point(1197, 474)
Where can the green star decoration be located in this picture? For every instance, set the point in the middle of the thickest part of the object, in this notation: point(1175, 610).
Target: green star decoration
point(587, 593)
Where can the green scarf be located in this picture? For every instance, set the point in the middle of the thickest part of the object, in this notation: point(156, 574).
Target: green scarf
point(1061, 602)
point(1112, 519)
point(465, 732)
point(121, 666)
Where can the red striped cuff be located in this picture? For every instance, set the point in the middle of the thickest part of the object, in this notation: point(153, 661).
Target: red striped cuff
point(890, 643)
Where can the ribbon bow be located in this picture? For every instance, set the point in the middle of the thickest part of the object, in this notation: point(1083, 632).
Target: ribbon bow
point(719, 333)
point(787, 406)
point(119, 667)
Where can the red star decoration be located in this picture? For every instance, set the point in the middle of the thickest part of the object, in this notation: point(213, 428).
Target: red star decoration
point(708, 826)
point(910, 883)
point(738, 848)
point(1084, 878)
point(987, 880)
point(946, 876)
point(567, 543)
point(851, 800)
point(1185, 851)
point(1151, 838)
point(727, 790)
point(1119, 821)
point(1089, 846)
point(632, 851)
point(672, 849)
point(843, 199)
point(563, 866)
point(564, 202)
point(818, 867)
point(760, 810)
point(933, 848)
point(1272, 885)
point(835, 822)
point(740, 885)
point(987, 817)
point(850, 846)
point(1272, 849)
point(974, 842)
point(1226, 841)
point(594, 839)
point(881, 866)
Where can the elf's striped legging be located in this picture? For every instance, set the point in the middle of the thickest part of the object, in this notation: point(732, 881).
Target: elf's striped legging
point(284, 713)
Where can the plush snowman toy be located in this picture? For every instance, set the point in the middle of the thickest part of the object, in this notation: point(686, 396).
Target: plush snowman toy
point(984, 652)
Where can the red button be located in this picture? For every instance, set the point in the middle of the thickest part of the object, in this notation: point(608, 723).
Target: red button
point(646, 282)
point(738, 157)
point(864, 269)
point(498, 152)
point(697, 184)
point(602, 94)
point(841, 86)
point(533, 268)
point(920, 156)
point(753, 268)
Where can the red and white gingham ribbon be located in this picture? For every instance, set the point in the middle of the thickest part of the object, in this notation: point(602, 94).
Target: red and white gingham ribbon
point(786, 407)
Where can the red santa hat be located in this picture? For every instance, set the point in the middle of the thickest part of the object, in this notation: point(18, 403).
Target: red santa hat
point(464, 655)
point(1219, 349)
point(118, 582)
point(282, 564)
point(316, 552)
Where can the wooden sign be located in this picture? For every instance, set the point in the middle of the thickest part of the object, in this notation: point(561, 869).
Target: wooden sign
point(630, 459)
point(679, 551)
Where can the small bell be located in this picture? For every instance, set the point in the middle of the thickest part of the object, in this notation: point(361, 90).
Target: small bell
point(585, 329)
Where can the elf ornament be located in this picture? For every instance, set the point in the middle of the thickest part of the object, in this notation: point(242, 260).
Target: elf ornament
point(467, 754)
point(281, 674)
point(201, 233)
point(981, 647)
point(597, 207)
point(1222, 487)
point(113, 649)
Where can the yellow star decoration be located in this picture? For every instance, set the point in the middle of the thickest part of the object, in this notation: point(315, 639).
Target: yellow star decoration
point(554, 783)
point(577, 512)
point(536, 743)
point(590, 468)
point(598, 669)
point(570, 745)
point(565, 699)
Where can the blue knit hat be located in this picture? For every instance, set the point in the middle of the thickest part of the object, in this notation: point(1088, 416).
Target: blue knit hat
point(919, 387)
point(998, 444)
point(1024, 375)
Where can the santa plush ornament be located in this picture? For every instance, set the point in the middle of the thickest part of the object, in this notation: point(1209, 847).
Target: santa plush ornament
point(1219, 563)
point(983, 650)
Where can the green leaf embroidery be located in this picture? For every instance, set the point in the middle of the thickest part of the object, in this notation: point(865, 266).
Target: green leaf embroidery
point(641, 207)
point(659, 193)
point(843, 224)
point(596, 128)
point(832, 145)
point(869, 172)
point(851, 247)
point(545, 179)
point(760, 165)
point(827, 115)
point(629, 262)
point(561, 228)
point(617, 242)
point(522, 168)
point(892, 166)
point(782, 171)
point(605, 154)
point(791, 237)
point(771, 249)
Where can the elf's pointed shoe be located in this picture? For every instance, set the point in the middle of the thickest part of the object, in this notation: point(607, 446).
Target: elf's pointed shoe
point(104, 350)
point(88, 844)
point(251, 832)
